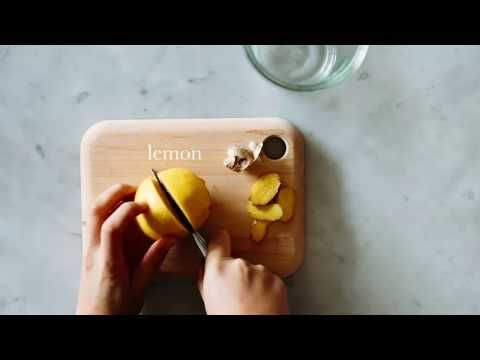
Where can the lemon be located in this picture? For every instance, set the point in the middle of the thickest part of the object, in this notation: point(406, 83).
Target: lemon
point(190, 193)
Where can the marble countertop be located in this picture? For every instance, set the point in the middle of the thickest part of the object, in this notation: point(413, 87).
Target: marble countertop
point(393, 197)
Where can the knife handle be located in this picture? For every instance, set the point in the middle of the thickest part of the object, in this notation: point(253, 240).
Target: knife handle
point(201, 243)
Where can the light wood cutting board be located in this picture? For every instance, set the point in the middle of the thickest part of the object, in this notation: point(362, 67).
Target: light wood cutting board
point(123, 151)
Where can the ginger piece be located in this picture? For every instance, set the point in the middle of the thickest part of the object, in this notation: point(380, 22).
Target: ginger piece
point(258, 230)
point(270, 212)
point(256, 149)
point(286, 199)
point(239, 159)
point(265, 188)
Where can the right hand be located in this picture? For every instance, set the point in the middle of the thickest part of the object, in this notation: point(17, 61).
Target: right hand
point(231, 286)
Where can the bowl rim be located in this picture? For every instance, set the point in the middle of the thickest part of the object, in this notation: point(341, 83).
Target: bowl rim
point(352, 66)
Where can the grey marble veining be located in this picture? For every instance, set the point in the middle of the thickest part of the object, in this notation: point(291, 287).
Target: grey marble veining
point(393, 198)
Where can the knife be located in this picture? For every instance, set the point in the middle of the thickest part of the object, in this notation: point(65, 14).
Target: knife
point(182, 218)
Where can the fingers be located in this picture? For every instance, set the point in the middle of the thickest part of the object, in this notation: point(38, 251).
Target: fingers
point(103, 206)
point(151, 261)
point(219, 247)
point(259, 267)
point(109, 198)
point(114, 227)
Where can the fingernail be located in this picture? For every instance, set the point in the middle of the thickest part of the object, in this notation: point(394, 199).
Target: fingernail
point(143, 205)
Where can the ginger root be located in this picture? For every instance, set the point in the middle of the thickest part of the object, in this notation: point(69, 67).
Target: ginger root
point(258, 230)
point(239, 159)
point(270, 212)
point(265, 188)
point(286, 199)
point(269, 201)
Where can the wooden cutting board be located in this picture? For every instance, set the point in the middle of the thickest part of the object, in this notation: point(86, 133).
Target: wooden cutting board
point(124, 151)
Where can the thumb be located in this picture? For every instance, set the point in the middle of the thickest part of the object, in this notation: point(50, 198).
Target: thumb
point(218, 247)
point(150, 263)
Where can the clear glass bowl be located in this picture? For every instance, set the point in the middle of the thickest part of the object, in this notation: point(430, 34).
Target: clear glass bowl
point(306, 67)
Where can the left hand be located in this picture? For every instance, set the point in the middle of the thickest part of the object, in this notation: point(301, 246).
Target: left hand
point(112, 280)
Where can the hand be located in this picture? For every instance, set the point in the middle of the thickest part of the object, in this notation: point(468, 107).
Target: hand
point(112, 280)
point(231, 286)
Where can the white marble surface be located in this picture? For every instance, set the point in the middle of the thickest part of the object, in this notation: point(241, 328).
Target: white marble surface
point(393, 197)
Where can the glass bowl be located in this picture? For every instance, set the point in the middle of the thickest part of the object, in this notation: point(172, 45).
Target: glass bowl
point(306, 67)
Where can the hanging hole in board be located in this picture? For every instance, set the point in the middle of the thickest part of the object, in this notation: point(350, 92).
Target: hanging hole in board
point(274, 147)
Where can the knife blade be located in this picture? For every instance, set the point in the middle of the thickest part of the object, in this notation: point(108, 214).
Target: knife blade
point(181, 217)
